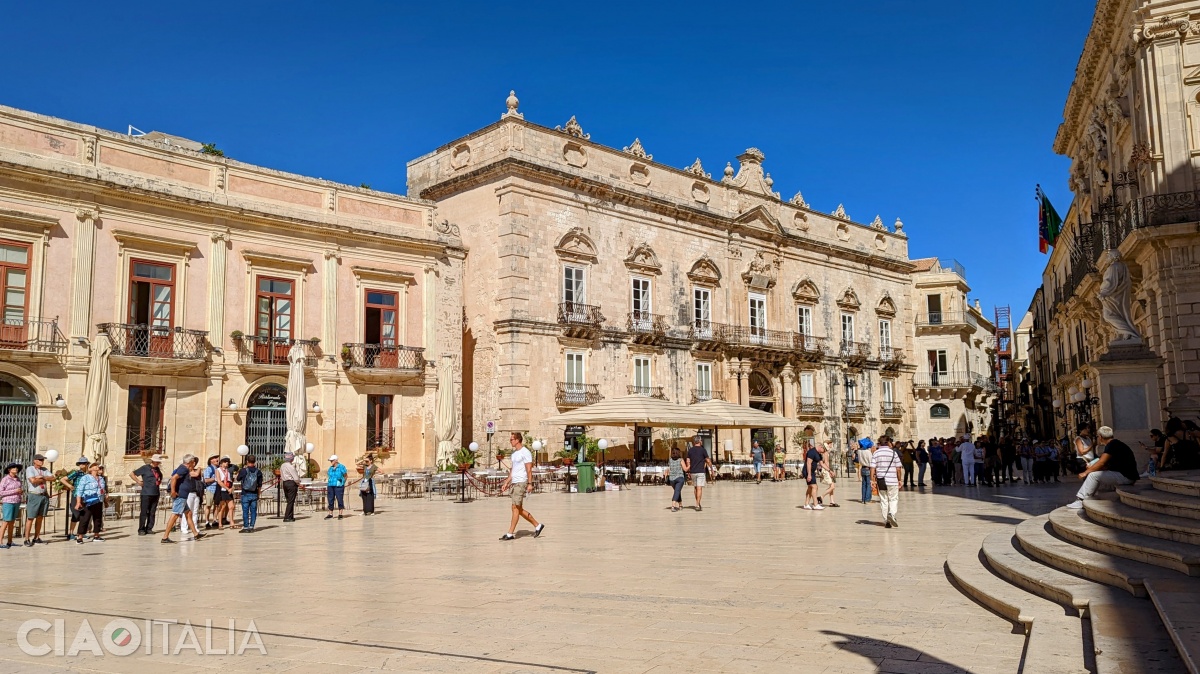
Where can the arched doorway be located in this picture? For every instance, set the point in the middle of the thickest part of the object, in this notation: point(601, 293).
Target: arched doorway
point(890, 432)
point(762, 398)
point(266, 423)
point(18, 421)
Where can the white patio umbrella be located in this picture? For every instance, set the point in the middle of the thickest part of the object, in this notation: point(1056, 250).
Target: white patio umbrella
point(95, 419)
point(733, 415)
point(445, 421)
point(635, 410)
point(297, 402)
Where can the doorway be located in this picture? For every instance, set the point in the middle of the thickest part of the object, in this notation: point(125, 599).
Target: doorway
point(18, 421)
point(266, 423)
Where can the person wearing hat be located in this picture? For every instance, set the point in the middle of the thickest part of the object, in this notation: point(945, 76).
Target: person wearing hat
point(209, 495)
point(10, 497)
point(223, 508)
point(69, 481)
point(37, 499)
point(289, 479)
point(149, 479)
point(862, 456)
point(336, 489)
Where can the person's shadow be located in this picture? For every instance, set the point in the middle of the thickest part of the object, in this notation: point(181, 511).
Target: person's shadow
point(884, 651)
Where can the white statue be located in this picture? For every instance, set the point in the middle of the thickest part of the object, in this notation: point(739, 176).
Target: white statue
point(1114, 300)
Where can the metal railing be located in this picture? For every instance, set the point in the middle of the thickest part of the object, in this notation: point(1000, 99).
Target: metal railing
point(855, 408)
point(810, 406)
point(579, 315)
point(707, 331)
point(854, 350)
point(571, 394)
point(760, 337)
point(382, 440)
point(41, 336)
point(890, 410)
point(890, 354)
point(700, 395)
point(273, 350)
point(383, 357)
point(936, 318)
point(809, 344)
point(646, 324)
point(147, 341)
point(152, 442)
point(951, 265)
point(952, 379)
point(648, 391)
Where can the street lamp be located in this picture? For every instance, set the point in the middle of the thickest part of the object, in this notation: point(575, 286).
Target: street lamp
point(232, 404)
point(316, 407)
point(59, 402)
point(603, 445)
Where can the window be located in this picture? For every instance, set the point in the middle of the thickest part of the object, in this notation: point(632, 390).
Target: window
point(939, 411)
point(702, 311)
point(937, 365)
point(807, 390)
point(704, 380)
point(885, 339)
point(847, 328)
point(573, 289)
point(804, 323)
point(144, 430)
point(933, 304)
point(573, 369)
point(274, 309)
point(380, 435)
point(152, 294)
point(641, 374)
point(851, 391)
point(758, 315)
point(14, 274)
point(380, 323)
point(640, 304)
point(887, 387)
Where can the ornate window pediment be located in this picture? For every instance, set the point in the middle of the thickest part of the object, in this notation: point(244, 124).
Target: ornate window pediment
point(806, 291)
point(705, 272)
point(576, 246)
point(886, 306)
point(849, 300)
point(641, 258)
point(761, 274)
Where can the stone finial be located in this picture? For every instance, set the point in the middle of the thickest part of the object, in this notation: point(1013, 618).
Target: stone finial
point(978, 307)
point(512, 104)
point(728, 170)
point(900, 228)
point(840, 213)
point(798, 200)
point(572, 128)
point(769, 180)
point(877, 223)
point(697, 169)
point(637, 150)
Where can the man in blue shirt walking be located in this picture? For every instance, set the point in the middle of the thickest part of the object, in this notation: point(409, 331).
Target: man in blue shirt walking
point(336, 486)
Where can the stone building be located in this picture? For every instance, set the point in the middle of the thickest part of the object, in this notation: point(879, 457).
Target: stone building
point(1122, 285)
point(204, 271)
point(597, 272)
point(953, 387)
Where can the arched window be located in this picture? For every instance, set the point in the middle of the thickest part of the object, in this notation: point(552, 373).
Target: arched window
point(760, 386)
point(939, 411)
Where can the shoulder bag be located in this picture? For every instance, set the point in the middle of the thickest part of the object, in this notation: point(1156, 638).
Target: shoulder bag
point(880, 482)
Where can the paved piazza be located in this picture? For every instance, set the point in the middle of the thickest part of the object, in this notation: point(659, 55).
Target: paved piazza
point(616, 584)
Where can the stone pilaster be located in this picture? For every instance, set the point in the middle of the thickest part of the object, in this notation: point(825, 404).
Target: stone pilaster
point(217, 257)
point(81, 282)
point(329, 301)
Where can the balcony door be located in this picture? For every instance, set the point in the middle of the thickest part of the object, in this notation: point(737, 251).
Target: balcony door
point(937, 366)
point(641, 375)
point(885, 339)
point(380, 436)
point(275, 305)
point(847, 329)
point(804, 324)
point(151, 309)
point(704, 389)
point(573, 287)
point(702, 312)
point(379, 329)
point(807, 389)
point(887, 388)
point(145, 429)
point(934, 305)
point(758, 317)
point(14, 275)
point(640, 305)
point(574, 378)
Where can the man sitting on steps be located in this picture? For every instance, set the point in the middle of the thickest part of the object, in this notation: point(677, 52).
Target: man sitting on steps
point(1116, 467)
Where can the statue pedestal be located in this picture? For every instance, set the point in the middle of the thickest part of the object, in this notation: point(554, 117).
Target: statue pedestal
point(1127, 384)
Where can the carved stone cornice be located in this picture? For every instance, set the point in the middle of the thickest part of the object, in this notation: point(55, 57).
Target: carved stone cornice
point(573, 129)
point(637, 150)
point(1095, 49)
point(140, 241)
point(886, 307)
point(760, 274)
point(705, 272)
point(849, 300)
point(33, 222)
point(576, 246)
point(697, 169)
point(642, 259)
point(805, 291)
point(384, 275)
point(276, 261)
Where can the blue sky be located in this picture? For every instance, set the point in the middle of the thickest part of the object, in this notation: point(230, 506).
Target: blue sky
point(940, 113)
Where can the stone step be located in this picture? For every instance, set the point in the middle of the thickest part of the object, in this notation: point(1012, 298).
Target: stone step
point(1050, 633)
point(1010, 564)
point(1178, 603)
point(1112, 513)
point(1185, 483)
point(1161, 502)
point(1073, 526)
point(1118, 572)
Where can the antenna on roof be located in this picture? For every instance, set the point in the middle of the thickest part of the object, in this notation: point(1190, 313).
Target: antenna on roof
point(133, 129)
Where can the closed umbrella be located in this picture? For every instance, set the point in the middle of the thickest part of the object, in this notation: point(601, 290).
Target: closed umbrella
point(95, 420)
point(297, 401)
point(445, 421)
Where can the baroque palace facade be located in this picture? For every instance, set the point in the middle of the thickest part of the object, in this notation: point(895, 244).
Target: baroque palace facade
point(203, 272)
point(596, 272)
point(1131, 127)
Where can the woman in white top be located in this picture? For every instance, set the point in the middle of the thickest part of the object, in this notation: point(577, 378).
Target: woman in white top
point(1083, 444)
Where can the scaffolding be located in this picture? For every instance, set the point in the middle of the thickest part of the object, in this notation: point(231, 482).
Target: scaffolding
point(1003, 374)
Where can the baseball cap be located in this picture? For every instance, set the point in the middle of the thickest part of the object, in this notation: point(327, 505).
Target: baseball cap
point(158, 458)
point(38, 457)
point(333, 457)
point(82, 459)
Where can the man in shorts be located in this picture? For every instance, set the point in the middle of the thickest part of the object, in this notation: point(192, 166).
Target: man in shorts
point(518, 479)
point(182, 485)
point(37, 504)
point(756, 458)
point(698, 465)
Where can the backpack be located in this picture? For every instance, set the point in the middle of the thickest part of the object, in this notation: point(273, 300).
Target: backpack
point(250, 482)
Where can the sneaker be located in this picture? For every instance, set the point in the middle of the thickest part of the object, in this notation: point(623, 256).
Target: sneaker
point(166, 540)
point(38, 540)
point(79, 541)
point(892, 521)
point(508, 537)
point(818, 507)
point(329, 516)
point(887, 524)
point(199, 536)
point(243, 531)
point(339, 517)
point(538, 531)
point(1077, 504)
point(97, 539)
point(806, 507)
point(834, 505)
point(28, 543)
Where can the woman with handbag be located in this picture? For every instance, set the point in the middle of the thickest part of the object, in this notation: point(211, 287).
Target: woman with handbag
point(675, 478)
point(10, 496)
point(885, 480)
point(826, 477)
point(89, 503)
point(366, 486)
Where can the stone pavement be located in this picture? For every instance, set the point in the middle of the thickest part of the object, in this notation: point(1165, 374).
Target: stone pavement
point(617, 583)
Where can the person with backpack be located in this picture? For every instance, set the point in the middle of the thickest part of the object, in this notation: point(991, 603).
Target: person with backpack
point(251, 478)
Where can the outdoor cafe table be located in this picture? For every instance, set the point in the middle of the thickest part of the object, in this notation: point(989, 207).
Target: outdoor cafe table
point(653, 472)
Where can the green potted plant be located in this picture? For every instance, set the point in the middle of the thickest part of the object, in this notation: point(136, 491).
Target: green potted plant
point(463, 459)
point(566, 455)
point(346, 355)
point(276, 463)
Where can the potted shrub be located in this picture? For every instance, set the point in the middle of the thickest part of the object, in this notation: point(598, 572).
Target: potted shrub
point(463, 459)
point(346, 356)
point(275, 465)
point(566, 455)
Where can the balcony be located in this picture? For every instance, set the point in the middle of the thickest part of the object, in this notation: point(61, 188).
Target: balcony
point(808, 347)
point(700, 395)
point(645, 327)
point(269, 354)
point(571, 394)
point(580, 320)
point(382, 363)
point(149, 442)
point(854, 352)
point(956, 379)
point(952, 384)
point(155, 349)
point(890, 411)
point(31, 340)
point(1060, 369)
point(855, 409)
point(648, 391)
point(946, 322)
point(810, 407)
point(890, 357)
point(765, 341)
point(706, 335)
point(381, 441)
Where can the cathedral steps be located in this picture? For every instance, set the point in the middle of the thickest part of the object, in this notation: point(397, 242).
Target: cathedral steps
point(1074, 526)
point(1187, 484)
point(1113, 513)
point(1161, 502)
point(1036, 541)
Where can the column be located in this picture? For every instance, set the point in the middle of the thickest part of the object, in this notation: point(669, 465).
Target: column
point(81, 282)
point(216, 286)
point(744, 399)
point(787, 399)
point(329, 300)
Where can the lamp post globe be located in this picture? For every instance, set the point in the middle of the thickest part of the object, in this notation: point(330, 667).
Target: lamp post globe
point(51, 455)
point(243, 450)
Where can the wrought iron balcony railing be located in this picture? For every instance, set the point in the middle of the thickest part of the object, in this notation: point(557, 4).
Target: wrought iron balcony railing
point(855, 350)
point(952, 379)
point(148, 442)
point(700, 395)
point(257, 350)
point(643, 324)
point(808, 344)
point(890, 410)
point(579, 315)
point(810, 406)
point(148, 341)
point(571, 394)
point(760, 337)
point(648, 391)
point(707, 332)
point(382, 440)
point(19, 334)
point(855, 408)
point(383, 357)
point(944, 318)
